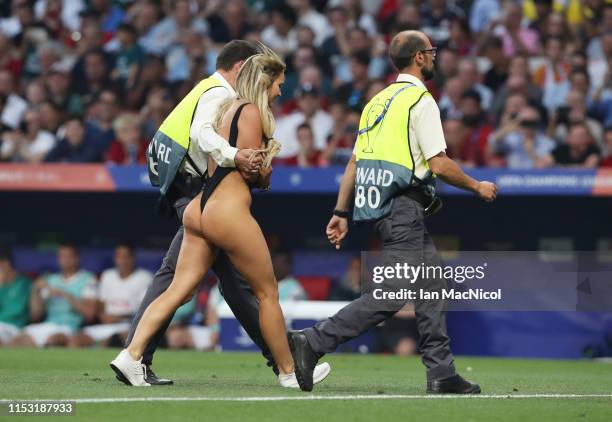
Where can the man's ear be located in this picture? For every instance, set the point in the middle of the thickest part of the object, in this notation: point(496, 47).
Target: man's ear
point(237, 66)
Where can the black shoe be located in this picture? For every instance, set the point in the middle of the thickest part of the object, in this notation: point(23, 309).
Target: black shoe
point(304, 359)
point(453, 385)
point(150, 377)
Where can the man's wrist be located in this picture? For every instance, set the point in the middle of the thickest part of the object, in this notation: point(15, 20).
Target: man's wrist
point(341, 213)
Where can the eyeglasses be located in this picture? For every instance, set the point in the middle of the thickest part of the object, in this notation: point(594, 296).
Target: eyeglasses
point(432, 50)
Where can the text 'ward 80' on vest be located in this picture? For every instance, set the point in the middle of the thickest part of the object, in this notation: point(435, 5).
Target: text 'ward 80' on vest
point(385, 165)
point(170, 144)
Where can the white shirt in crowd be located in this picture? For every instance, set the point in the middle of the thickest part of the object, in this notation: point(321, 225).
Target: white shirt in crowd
point(319, 25)
point(122, 296)
point(205, 141)
point(321, 123)
point(13, 111)
point(425, 128)
point(39, 147)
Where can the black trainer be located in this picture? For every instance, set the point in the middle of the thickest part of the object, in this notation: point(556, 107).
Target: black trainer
point(150, 377)
point(453, 385)
point(304, 359)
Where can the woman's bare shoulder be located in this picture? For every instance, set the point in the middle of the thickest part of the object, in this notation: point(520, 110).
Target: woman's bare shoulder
point(250, 114)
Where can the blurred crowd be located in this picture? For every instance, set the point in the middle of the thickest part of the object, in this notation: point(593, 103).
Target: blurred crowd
point(520, 84)
point(74, 307)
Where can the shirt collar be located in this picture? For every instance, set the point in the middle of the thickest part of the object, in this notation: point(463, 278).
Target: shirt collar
point(405, 77)
point(224, 82)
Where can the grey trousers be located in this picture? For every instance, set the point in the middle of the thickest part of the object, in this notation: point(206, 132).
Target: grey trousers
point(405, 240)
point(233, 286)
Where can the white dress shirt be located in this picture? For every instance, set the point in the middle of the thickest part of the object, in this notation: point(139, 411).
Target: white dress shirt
point(205, 142)
point(425, 128)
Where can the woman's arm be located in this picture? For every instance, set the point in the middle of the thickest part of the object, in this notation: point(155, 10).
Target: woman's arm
point(249, 134)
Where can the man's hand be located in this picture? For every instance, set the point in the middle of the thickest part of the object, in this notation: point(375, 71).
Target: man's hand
point(245, 164)
point(336, 231)
point(486, 191)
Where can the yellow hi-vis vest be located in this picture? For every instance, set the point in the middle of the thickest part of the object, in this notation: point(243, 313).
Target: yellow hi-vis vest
point(170, 144)
point(385, 166)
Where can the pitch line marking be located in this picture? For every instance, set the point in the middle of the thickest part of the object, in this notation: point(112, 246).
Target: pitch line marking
point(336, 397)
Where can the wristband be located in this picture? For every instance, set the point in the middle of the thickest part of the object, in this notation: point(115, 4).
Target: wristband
point(341, 214)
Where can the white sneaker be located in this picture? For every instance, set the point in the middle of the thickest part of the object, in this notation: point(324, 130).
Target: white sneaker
point(133, 370)
point(320, 372)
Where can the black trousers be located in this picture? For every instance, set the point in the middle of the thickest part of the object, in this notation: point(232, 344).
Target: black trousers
point(233, 286)
point(405, 240)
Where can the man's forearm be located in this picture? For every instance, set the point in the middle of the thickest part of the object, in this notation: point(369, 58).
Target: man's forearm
point(347, 186)
point(450, 172)
point(216, 146)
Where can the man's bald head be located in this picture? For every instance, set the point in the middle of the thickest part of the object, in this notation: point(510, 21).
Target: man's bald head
point(405, 46)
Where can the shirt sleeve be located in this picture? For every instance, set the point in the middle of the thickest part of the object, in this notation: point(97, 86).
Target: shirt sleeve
point(202, 128)
point(427, 126)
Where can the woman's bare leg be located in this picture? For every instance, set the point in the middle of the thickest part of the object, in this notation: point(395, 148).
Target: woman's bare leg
point(234, 230)
point(195, 259)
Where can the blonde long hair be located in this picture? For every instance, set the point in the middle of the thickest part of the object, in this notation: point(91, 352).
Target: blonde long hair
point(254, 79)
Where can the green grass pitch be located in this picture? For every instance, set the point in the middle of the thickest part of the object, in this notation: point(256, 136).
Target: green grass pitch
point(225, 386)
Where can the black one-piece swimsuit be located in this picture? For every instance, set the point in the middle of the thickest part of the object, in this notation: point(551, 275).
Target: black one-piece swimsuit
point(220, 172)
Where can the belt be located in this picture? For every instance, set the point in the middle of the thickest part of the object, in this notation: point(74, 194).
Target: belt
point(430, 205)
point(418, 196)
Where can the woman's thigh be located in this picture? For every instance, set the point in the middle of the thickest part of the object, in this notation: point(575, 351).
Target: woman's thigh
point(232, 228)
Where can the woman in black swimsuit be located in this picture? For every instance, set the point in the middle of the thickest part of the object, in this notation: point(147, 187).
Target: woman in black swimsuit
point(220, 218)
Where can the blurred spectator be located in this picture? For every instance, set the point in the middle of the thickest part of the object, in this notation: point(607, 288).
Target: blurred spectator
point(436, 19)
point(517, 39)
point(446, 67)
point(159, 37)
point(574, 111)
point(67, 10)
point(120, 292)
point(342, 140)
point(9, 57)
point(352, 92)
point(67, 298)
point(460, 38)
point(482, 13)
point(607, 159)
point(230, 23)
point(398, 335)
point(35, 93)
point(497, 74)
point(280, 35)
point(75, 147)
point(598, 47)
point(50, 116)
point(308, 16)
point(470, 77)
point(128, 58)
point(13, 106)
point(521, 142)
point(450, 101)
point(477, 130)
point(92, 76)
point(130, 147)
point(289, 288)
point(307, 156)
point(29, 143)
point(110, 14)
point(454, 135)
point(310, 112)
point(348, 287)
point(553, 75)
point(57, 84)
point(578, 150)
point(543, 10)
point(14, 299)
point(100, 118)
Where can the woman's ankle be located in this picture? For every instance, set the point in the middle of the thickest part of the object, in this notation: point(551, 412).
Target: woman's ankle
point(134, 354)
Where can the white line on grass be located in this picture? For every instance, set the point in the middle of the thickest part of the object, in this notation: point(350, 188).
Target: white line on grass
point(338, 397)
